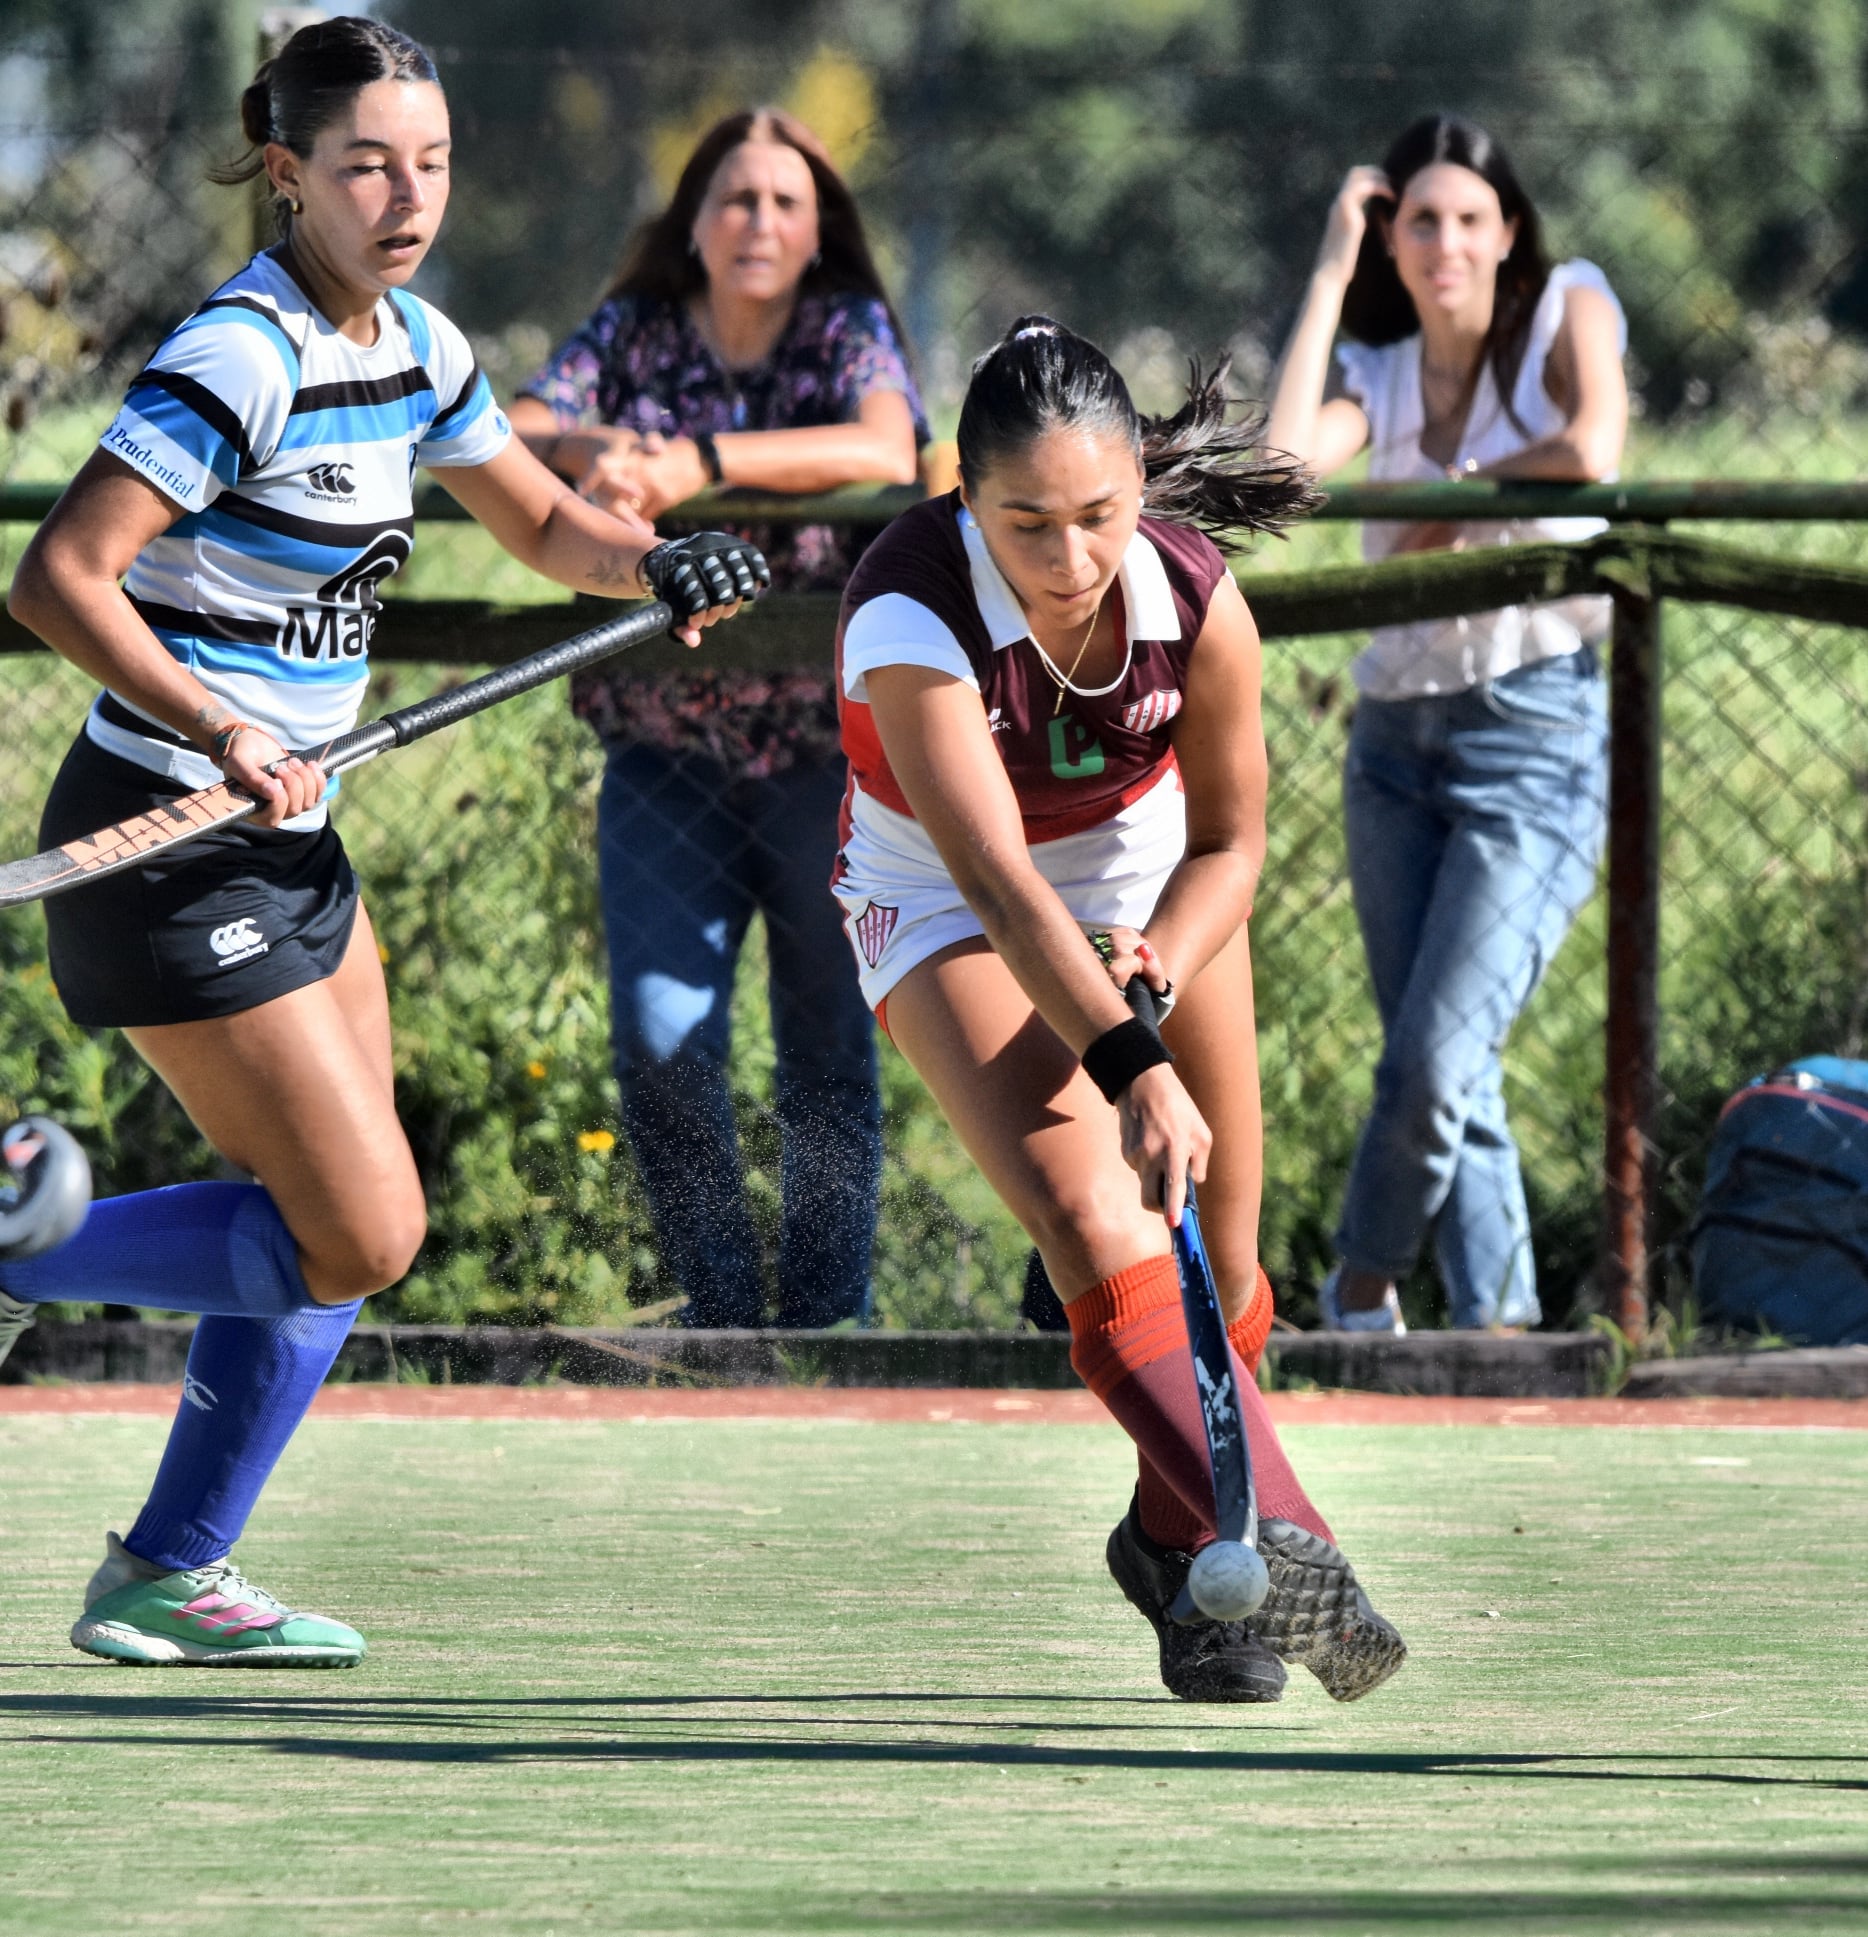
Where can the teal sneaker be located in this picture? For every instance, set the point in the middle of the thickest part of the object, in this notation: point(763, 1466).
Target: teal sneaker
point(15, 1318)
point(208, 1617)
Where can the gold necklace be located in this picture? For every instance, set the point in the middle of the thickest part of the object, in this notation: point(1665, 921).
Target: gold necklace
point(1063, 679)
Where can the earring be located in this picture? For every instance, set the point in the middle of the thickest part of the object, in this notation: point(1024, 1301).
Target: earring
point(298, 208)
point(816, 258)
point(693, 247)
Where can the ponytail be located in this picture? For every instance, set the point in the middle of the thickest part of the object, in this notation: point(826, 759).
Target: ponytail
point(256, 125)
point(1200, 467)
point(1204, 467)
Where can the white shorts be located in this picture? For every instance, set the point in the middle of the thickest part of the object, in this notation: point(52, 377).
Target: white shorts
point(900, 904)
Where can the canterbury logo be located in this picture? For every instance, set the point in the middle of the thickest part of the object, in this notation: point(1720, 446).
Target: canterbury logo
point(195, 1394)
point(356, 584)
point(1156, 710)
point(238, 941)
point(332, 479)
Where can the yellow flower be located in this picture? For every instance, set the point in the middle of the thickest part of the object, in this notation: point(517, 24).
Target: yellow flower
point(595, 1140)
point(382, 954)
point(536, 1071)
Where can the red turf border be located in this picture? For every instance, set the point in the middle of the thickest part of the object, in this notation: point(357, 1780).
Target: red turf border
point(924, 1405)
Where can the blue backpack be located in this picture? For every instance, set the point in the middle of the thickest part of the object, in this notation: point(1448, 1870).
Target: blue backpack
point(1781, 1241)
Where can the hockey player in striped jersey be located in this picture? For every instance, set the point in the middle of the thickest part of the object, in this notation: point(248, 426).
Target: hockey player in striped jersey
point(215, 567)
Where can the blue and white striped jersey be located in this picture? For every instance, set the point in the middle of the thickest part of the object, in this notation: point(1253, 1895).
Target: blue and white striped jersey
point(292, 452)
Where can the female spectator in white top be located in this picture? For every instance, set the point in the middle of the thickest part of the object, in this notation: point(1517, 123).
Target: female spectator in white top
point(1474, 791)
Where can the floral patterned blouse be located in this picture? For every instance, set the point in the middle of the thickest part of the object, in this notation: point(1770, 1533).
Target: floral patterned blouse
point(642, 363)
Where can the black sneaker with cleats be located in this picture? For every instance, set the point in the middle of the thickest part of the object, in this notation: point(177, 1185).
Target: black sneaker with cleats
point(1318, 1617)
point(1217, 1661)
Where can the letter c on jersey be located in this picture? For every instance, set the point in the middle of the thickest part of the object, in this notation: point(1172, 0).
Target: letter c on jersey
point(1079, 761)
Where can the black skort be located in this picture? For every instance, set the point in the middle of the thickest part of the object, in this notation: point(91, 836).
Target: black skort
point(226, 922)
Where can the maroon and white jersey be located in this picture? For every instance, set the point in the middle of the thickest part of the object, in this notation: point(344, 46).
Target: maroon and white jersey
point(927, 593)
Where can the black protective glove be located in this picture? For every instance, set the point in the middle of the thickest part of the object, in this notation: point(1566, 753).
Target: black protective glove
point(707, 570)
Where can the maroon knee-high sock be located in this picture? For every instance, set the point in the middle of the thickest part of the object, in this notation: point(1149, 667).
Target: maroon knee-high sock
point(1130, 1348)
point(1281, 1494)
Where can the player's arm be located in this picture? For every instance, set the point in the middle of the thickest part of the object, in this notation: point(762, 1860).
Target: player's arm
point(938, 742)
point(68, 589)
point(546, 525)
point(1219, 741)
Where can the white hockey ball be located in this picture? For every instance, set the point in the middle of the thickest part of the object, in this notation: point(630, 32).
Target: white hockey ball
point(1228, 1581)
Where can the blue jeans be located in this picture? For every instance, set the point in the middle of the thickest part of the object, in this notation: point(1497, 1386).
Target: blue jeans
point(1475, 823)
point(686, 854)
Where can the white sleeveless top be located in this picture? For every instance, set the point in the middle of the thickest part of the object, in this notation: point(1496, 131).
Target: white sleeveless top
point(1449, 655)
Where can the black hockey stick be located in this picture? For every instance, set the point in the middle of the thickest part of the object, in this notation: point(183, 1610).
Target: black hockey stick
point(1228, 1580)
point(114, 848)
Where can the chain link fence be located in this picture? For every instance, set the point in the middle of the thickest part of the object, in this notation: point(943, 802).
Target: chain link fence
point(477, 850)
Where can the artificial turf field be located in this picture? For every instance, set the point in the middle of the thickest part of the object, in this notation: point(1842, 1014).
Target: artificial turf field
point(799, 1675)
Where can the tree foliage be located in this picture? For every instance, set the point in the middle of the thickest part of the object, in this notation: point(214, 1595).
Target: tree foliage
point(1133, 165)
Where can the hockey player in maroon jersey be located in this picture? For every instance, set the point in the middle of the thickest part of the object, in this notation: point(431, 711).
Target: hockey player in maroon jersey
point(1057, 782)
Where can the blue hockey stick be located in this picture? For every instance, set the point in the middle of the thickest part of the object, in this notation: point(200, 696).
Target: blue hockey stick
point(1228, 1580)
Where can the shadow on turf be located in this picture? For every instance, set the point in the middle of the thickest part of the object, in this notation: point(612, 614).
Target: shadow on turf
point(1118, 1909)
point(496, 1745)
point(472, 1712)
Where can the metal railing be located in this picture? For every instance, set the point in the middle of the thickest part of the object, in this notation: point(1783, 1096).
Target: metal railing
point(1638, 563)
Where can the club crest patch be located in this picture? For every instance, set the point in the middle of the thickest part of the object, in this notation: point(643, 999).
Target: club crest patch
point(874, 926)
point(1156, 710)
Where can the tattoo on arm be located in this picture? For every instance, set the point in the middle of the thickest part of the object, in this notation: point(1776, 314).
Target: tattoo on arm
point(613, 568)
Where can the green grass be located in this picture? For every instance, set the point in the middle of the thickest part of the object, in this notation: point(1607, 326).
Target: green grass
point(834, 1677)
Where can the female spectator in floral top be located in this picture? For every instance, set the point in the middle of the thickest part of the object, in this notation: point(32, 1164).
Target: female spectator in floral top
point(746, 341)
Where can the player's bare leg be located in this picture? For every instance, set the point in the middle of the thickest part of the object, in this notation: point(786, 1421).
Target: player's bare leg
point(1046, 1140)
point(1212, 1033)
point(299, 1092)
point(1042, 1135)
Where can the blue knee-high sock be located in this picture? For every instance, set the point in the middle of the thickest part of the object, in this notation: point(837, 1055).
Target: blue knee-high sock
point(248, 1384)
point(190, 1248)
